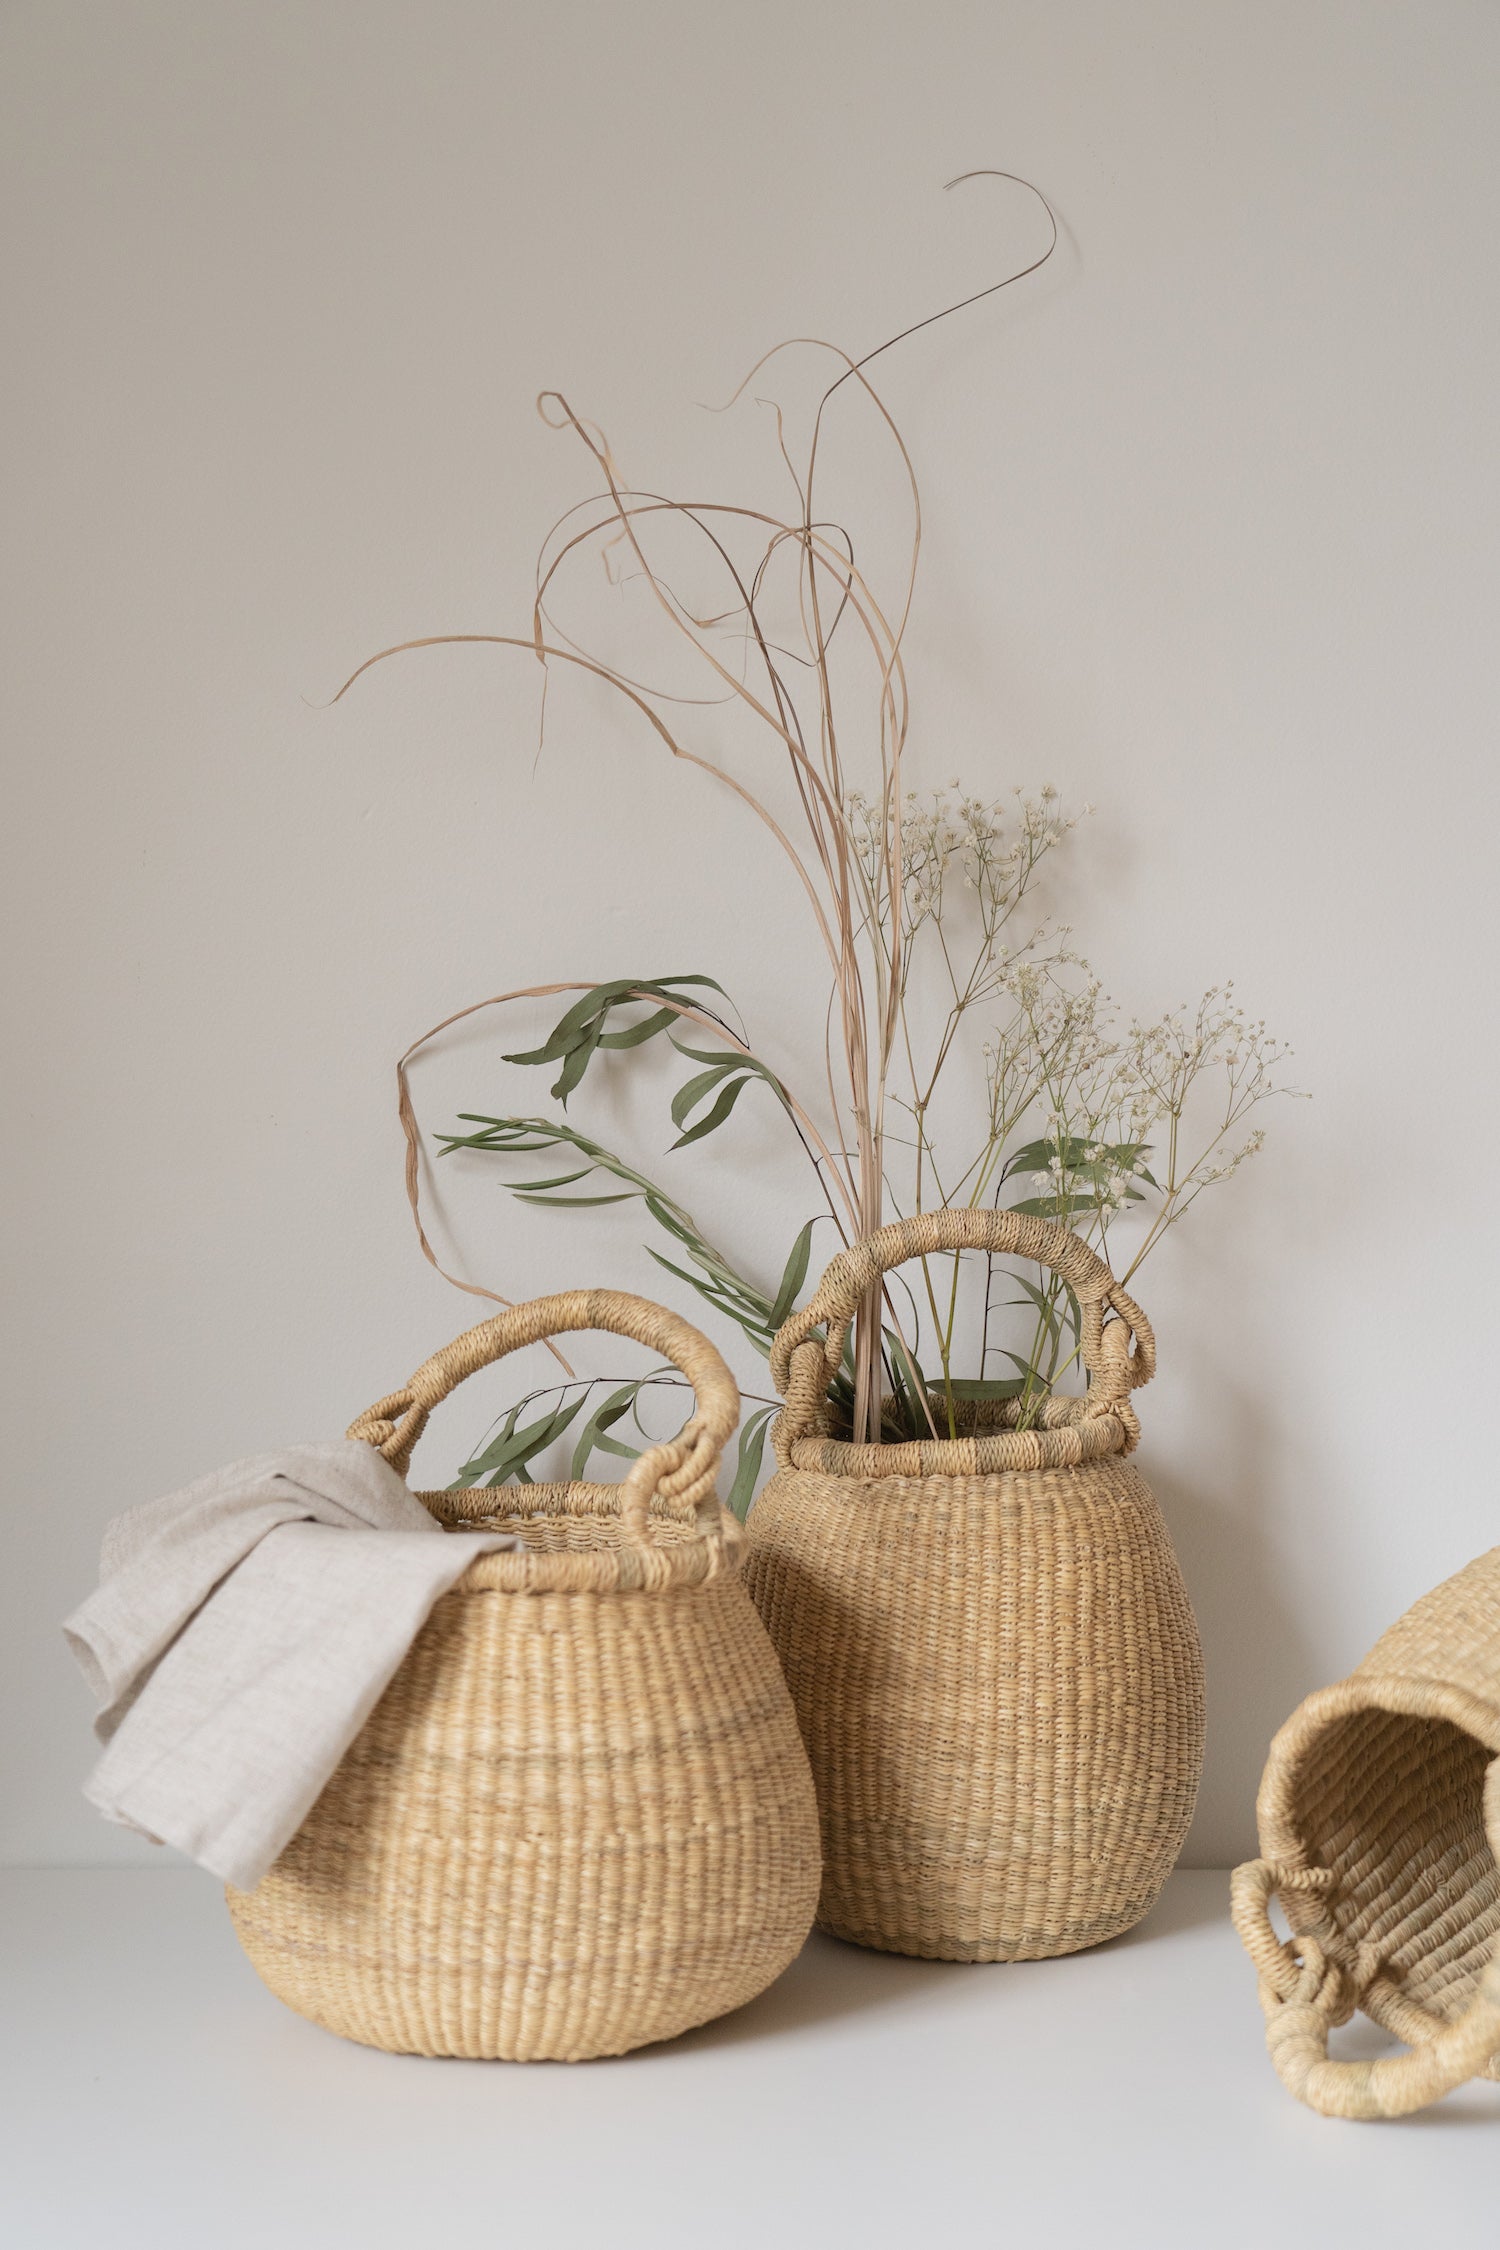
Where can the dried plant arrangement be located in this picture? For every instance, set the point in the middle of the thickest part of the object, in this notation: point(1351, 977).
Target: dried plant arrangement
point(972, 1057)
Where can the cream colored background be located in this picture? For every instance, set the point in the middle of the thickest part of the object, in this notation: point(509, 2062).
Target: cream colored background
point(1212, 540)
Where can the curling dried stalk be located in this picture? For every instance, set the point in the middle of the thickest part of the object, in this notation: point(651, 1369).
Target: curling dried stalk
point(812, 724)
point(913, 900)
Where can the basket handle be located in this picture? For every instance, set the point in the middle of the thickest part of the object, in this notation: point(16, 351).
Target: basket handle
point(683, 1469)
point(1114, 1368)
point(1309, 1984)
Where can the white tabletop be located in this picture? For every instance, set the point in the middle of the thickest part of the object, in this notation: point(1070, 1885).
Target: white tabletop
point(153, 2093)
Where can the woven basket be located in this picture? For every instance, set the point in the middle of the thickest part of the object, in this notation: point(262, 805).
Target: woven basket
point(987, 1638)
point(580, 1818)
point(1380, 1828)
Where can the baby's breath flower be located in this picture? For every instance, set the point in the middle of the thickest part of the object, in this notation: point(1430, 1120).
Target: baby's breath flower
point(1133, 1118)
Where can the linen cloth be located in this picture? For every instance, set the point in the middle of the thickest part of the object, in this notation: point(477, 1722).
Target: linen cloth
point(243, 1630)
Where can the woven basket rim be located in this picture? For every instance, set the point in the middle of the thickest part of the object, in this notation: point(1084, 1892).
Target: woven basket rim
point(709, 1541)
point(1403, 1695)
point(1071, 1438)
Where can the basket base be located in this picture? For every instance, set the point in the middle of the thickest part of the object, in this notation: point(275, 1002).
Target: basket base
point(575, 1824)
point(1028, 1945)
point(644, 2017)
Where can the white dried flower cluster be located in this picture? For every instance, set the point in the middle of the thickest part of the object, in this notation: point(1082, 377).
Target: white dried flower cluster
point(1089, 1116)
point(1108, 1098)
point(951, 840)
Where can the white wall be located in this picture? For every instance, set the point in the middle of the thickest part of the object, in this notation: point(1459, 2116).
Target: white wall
point(1212, 540)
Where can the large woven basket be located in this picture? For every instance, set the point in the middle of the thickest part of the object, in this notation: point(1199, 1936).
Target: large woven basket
point(987, 1638)
point(1380, 1829)
point(580, 1818)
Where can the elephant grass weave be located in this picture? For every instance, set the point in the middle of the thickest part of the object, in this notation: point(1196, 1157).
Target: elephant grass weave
point(1379, 1821)
point(580, 1818)
point(987, 1638)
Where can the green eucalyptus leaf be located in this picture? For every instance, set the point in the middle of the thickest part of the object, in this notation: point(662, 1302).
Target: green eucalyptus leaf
point(1111, 1162)
point(1037, 1156)
point(593, 1437)
point(688, 1096)
point(513, 1448)
point(1127, 1155)
point(603, 1444)
point(564, 1179)
point(1038, 1296)
point(575, 1062)
point(716, 1280)
point(1029, 1372)
point(705, 1288)
point(639, 1033)
point(703, 1255)
point(716, 1116)
point(752, 1447)
point(793, 1274)
point(670, 1217)
point(736, 1059)
point(569, 1202)
point(472, 1470)
point(911, 1383)
point(586, 1016)
point(1048, 1312)
point(576, 1021)
point(743, 1315)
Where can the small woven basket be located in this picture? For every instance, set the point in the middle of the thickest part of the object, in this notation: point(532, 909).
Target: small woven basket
point(1379, 1822)
point(580, 1817)
point(987, 1638)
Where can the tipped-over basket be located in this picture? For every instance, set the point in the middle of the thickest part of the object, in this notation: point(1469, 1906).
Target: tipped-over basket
point(987, 1638)
point(1380, 1829)
point(580, 1817)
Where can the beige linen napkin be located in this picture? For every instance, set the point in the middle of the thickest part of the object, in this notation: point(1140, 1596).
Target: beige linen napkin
point(242, 1633)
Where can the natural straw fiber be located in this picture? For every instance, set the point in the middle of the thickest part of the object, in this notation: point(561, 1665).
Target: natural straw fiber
point(580, 1817)
point(1380, 1829)
point(987, 1638)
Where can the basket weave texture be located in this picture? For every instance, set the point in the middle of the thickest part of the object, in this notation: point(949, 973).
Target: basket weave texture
point(992, 1654)
point(1379, 1822)
point(580, 1818)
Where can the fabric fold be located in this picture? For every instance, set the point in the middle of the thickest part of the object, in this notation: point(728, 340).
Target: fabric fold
point(242, 1632)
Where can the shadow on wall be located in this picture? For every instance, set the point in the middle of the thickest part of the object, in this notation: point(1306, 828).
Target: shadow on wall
point(1258, 1657)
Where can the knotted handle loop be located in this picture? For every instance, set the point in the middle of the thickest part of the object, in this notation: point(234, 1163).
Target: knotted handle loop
point(682, 1470)
point(1115, 1369)
point(1313, 1981)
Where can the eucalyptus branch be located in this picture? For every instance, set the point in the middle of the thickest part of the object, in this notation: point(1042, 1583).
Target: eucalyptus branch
point(921, 904)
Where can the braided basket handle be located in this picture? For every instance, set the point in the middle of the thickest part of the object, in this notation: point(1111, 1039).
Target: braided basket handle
point(1307, 1985)
point(683, 1469)
point(1114, 1368)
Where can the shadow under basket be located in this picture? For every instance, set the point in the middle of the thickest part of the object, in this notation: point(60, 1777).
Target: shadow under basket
point(1379, 1818)
point(580, 1818)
